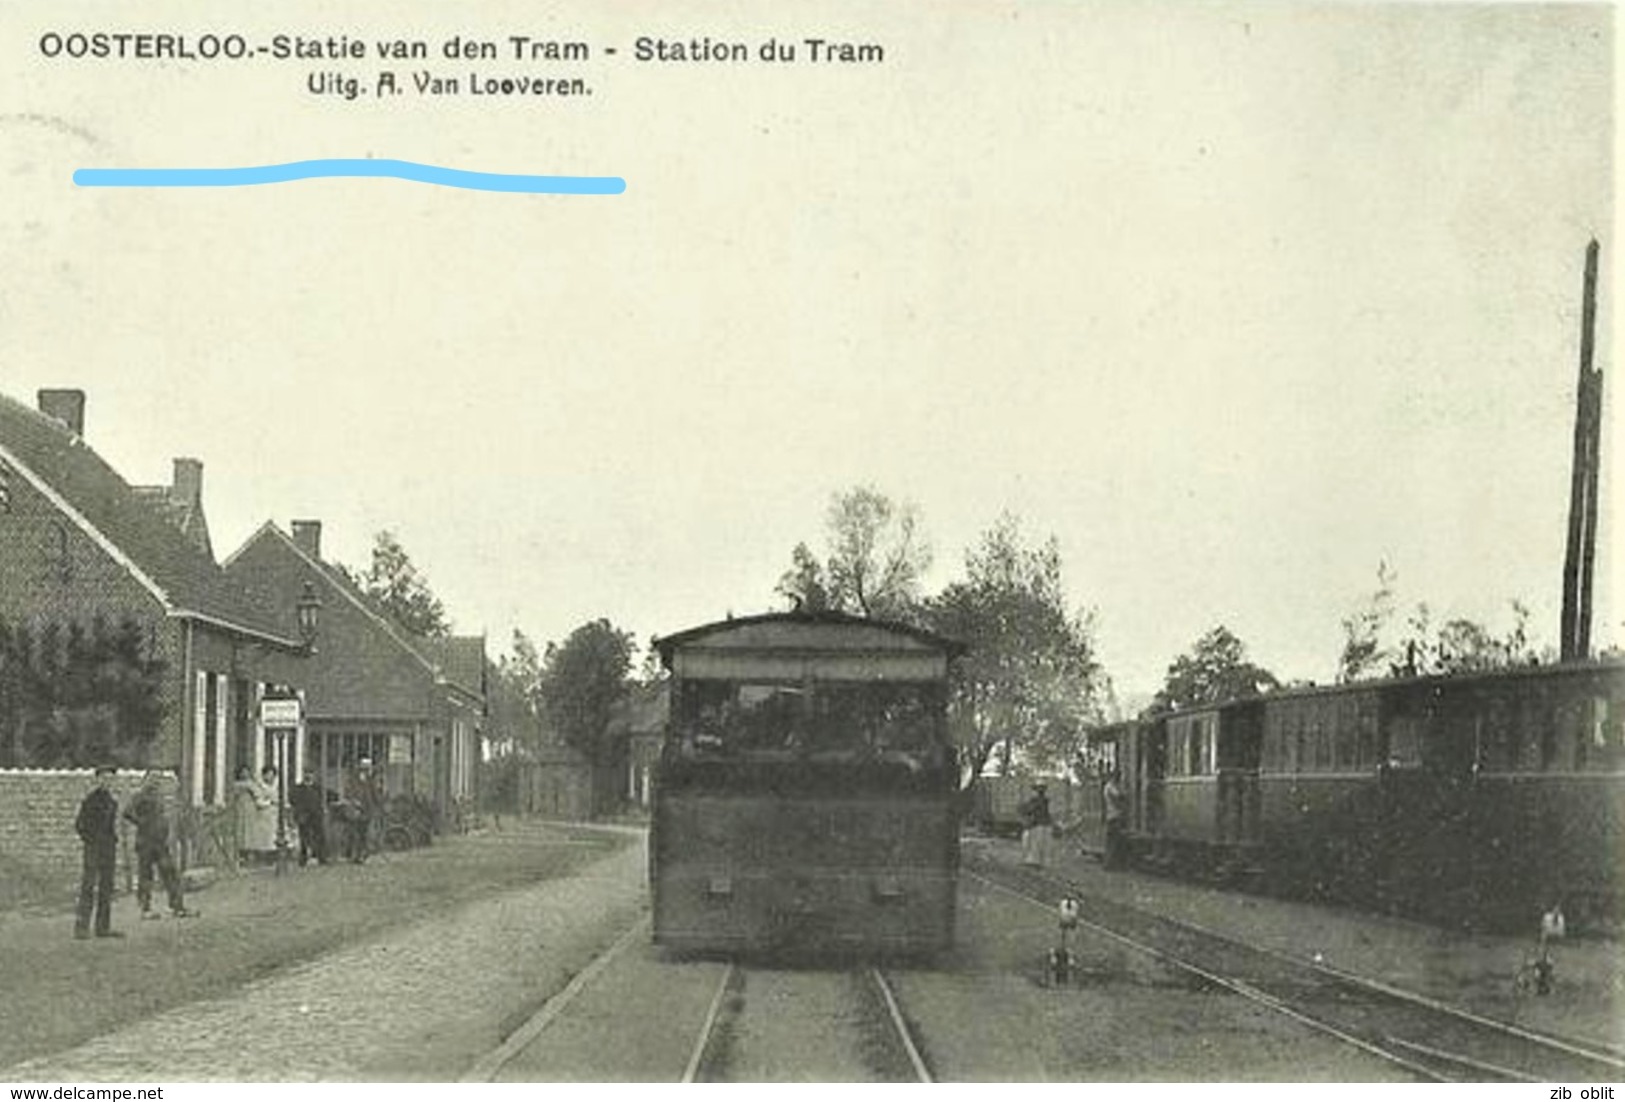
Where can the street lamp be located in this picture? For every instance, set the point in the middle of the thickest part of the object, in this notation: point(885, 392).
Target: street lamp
point(308, 609)
point(280, 713)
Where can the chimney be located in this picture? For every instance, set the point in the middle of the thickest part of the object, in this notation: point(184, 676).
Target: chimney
point(187, 486)
point(67, 406)
point(307, 536)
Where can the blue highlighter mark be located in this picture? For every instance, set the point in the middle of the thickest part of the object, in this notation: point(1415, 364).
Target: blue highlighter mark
point(309, 170)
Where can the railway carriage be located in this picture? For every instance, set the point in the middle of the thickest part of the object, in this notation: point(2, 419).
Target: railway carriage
point(1476, 798)
point(806, 790)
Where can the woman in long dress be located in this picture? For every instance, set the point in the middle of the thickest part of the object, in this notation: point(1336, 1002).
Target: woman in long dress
point(256, 813)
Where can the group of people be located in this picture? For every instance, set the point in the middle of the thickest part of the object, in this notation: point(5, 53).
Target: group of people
point(358, 819)
point(97, 827)
point(311, 809)
point(1038, 823)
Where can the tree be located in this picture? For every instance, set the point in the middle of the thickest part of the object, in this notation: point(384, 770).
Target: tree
point(804, 582)
point(876, 558)
point(1214, 670)
point(1363, 649)
point(399, 591)
point(1458, 645)
point(514, 729)
point(72, 698)
point(1466, 646)
point(650, 671)
point(523, 668)
point(512, 708)
point(580, 682)
point(1029, 683)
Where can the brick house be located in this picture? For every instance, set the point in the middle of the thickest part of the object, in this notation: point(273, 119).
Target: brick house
point(83, 552)
point(415, 706)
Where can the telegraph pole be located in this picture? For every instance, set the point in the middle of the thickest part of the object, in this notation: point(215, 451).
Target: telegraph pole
point(1575, 643)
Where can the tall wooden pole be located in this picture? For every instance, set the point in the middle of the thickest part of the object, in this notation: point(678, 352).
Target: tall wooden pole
point(1581, 553)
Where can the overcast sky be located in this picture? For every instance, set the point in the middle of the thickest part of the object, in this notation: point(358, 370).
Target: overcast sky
point(1234, 300)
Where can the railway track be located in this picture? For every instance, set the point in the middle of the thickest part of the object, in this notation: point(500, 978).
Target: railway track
point(1433, 1041)
point(761, 1023)
point(881, 1044)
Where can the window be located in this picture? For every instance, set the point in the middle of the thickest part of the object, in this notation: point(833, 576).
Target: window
point(1600, 739)
point(1405, 743)
point(1313, 743)
point(845, 717)
point(461, 759)
point(242, 723)
point(210, 734)
point(1498, 733)
point(340, 754)
point(1348, 735)
point(200, 734)
point(1190, 745)
point(1370, 751)
point(1326, 735)
point(743, 716)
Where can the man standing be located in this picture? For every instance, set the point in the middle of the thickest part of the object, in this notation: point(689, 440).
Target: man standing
point(361, 809)
point(371, 794)
point(1112, 809)
point(150, 815)
point(1035, 817)
point(307, 799)
point(97, 826)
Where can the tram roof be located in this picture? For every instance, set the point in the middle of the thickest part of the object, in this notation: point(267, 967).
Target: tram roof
point(800, 631)
point(1603, 665)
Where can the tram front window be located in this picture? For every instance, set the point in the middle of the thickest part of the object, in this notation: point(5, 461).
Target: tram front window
point(837, 719)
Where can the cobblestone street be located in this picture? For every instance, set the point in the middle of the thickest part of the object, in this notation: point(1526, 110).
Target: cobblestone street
point(409, 990)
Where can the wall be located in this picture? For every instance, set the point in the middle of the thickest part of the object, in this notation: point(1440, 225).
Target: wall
point(40, 855)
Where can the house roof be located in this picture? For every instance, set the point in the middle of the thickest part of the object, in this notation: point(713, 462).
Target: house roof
point(191, 521)
point(125, 524)
point(458, 660)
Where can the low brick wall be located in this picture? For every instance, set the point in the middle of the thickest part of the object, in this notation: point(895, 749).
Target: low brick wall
point(40, 855)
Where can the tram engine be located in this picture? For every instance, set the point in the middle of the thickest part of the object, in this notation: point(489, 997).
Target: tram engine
point(805, 793)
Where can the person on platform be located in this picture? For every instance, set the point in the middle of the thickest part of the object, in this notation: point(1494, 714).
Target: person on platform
point(1037, 826)
point(97, 827)
point(149, 811)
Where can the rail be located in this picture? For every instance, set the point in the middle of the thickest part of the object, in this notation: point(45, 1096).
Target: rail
point(1430, 1039)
